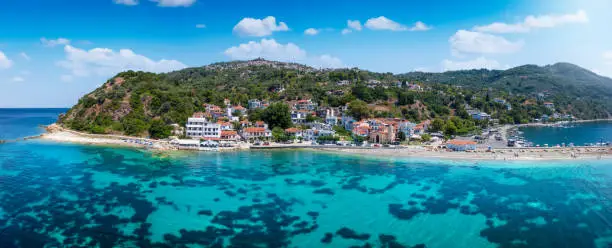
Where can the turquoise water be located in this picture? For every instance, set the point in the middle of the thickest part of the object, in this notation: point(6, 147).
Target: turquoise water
point(579, 134)
point(62, 195)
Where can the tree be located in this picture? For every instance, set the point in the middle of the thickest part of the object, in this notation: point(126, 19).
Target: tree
point(425, 137)
point(359, 109)
point(277, 115)
point(159, 130)
point(133, 126)
point(279, 134)
point(255, 114)
point(401, 136)
point(436, 125)
point(450, 129)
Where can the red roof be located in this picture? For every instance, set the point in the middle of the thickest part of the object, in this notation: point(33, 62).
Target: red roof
point(254, 130)
point(292, 130)
point(228, 133)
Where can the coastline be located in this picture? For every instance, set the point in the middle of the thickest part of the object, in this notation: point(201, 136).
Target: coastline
point(58, 134)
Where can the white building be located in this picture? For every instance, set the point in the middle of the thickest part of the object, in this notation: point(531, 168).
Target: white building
point(200, 128)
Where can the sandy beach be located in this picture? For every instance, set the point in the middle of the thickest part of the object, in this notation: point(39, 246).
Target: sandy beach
point(58, 134)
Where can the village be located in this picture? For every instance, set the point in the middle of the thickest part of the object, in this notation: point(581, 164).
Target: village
point(229, 127)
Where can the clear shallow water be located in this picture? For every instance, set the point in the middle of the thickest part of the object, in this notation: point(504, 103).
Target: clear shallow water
point(579, 134)
point(62, 195)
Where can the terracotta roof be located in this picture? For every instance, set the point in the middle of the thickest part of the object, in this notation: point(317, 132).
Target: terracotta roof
point(461, 142)
point(292, 130)
point(254, 130)
point(228, 133)
point(239, 107)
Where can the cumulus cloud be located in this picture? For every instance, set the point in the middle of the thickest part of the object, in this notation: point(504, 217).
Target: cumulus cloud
point(384, 23)
point(478, 63)
point(271, 49)
point(18, 79)
point(266, 48)
point(352, 25)
point(259, 27)
point(106, 62)
point(327, 61)
point(312, 31)
point(420, 26)
point(475, 42)
point(174, 3)
point(534, 22)
point(127, 2)
point(56, 42)
point(24, 56)
point(200, 25)
point(5, 62)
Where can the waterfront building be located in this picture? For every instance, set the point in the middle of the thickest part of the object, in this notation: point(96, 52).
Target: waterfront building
point(461, 145)
point(256, 133)
point(200, 128)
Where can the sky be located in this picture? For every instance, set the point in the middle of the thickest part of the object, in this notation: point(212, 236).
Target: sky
point(52, 52)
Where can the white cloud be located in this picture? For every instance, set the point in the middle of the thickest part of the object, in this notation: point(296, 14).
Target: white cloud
point(352, 25)
point(174, 3)
point(25, 56)
point(270, 49)
point(5, 62)
point(127, 2)
point(56, 42)
point(18, 79)
point(259, 27)
point(475, 42)
point(106, 62)
point(312, 31)
point(200, 25)
point(534, 22)
point(266, 48)
point(327, 61)
point(420, 26)
point(478, 63)
point(384, 23)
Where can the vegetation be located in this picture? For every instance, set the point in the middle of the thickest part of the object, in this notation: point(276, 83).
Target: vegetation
point(277, 115)
point(145, 104)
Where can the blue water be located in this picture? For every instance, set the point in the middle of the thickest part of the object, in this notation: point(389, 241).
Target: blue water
point(579, 133)
point(63, 195)
point(19, 123)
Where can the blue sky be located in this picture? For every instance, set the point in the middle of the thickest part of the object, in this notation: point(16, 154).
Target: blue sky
point(53, 52)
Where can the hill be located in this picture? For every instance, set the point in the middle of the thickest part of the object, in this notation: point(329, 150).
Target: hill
point(134, 103)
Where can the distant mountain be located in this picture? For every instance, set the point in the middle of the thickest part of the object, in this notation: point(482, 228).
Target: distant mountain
point(129, 102)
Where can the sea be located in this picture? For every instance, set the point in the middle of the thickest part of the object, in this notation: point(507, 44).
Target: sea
point(585, 133)
point(69, 195)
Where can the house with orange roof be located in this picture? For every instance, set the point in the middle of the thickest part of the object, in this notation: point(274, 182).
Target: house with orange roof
point(230, 135)
point(461, 145)
point(296, 132)
point(256, 133)
point(225, 125)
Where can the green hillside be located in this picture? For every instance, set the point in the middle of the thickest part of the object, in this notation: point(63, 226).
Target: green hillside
point(140, 103)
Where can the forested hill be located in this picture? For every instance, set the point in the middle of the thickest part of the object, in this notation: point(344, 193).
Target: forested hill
point(138, 103)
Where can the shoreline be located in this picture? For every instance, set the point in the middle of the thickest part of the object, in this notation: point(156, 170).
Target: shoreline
point(58, 134)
